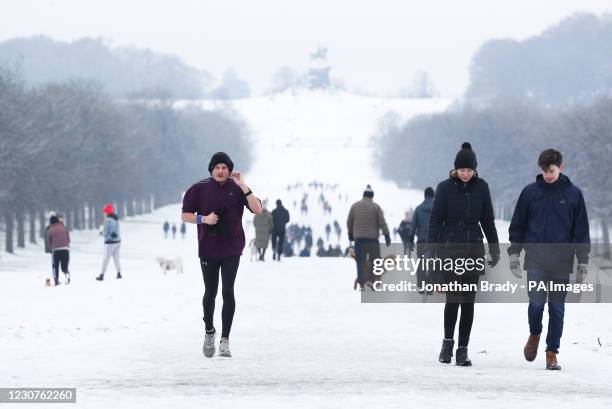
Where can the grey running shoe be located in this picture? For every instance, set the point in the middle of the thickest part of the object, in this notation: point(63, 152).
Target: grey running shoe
point(67, 278)
point(224, 348)
point(209, 344)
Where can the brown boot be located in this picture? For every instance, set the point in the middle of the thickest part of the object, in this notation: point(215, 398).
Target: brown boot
point(531, 347)
point(551, 361)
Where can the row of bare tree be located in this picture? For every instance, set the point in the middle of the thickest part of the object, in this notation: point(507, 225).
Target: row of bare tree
point(70, 148)
point(507, 138)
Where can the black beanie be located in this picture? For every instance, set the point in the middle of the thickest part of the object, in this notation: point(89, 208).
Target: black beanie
point(429, 192)
point(220, 157)
point(368, 192)
point(466, 158)
point(53, 220)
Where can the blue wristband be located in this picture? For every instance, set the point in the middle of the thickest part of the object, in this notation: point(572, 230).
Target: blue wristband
point(199, 219)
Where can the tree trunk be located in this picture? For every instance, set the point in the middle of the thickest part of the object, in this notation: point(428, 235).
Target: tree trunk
point(20, 229)
point(42, 221)
point(32, 220)
point(130, 207)
point(75, 216)
point(138, 209)
point(121, 209)
point(81, 211)
point(71, 219)
point(98, 215)
point(147, 204)
point(91, 219)
point(9, 226)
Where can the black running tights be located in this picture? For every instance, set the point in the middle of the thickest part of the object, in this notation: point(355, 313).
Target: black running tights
point(210, 273)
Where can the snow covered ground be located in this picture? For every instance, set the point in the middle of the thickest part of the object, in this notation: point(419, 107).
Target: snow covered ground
point(301, 337)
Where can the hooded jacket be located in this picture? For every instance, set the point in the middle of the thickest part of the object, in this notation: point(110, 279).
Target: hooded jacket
point(58, 236)
point(420, 221)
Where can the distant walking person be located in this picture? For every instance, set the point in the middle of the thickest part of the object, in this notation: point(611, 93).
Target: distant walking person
point(173, 231)
point(549, 210)
point(420, 229)
point(337, 229)
point(263, 231)
point(59, 243)
point(216, 205)
point(48, 251)
point(280, 218)
point(166, 229)
point(112, 241)
point(404, 232)
point(183, 230)
point(328, 230)
point(364, 223)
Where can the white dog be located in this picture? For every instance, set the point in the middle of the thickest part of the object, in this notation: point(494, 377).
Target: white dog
point(166, 265)
point(254, 253)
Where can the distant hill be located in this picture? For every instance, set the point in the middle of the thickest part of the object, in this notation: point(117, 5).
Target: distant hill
point(123, 71)
point(568, 63)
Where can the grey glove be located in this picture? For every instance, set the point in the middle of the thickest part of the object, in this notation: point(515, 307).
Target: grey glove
point(581, 272)
point(515, 266)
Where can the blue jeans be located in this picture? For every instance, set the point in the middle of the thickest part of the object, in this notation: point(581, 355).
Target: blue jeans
point(365, 249)
point(556, 307)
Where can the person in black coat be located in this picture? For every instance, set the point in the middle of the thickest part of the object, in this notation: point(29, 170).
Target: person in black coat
point(280, 217)
point(461, 211)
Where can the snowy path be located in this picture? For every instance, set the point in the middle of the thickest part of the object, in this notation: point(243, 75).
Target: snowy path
point(301, 338)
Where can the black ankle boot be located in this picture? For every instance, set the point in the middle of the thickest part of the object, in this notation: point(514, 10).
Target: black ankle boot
point(446, 354)
point(462, 357)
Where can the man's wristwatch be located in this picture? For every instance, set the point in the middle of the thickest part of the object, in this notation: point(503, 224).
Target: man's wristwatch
point(248, 193)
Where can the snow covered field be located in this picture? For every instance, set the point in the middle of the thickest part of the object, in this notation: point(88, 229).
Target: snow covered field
point(301, 337)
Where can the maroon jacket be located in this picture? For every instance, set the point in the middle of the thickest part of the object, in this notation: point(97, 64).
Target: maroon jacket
point(58, 236)
point(226, 238)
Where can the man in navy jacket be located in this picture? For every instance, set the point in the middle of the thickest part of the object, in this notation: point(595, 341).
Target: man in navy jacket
point(550, 222)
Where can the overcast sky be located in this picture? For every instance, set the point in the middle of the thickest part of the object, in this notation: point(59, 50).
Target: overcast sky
point(377, 46)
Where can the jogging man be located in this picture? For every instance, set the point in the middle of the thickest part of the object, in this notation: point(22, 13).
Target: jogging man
point(216, 205)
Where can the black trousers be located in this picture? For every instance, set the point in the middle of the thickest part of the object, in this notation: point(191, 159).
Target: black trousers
point(461, 300)
point(278, 238)
point(60, 258)
point(465, 302)
point(210, 272)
